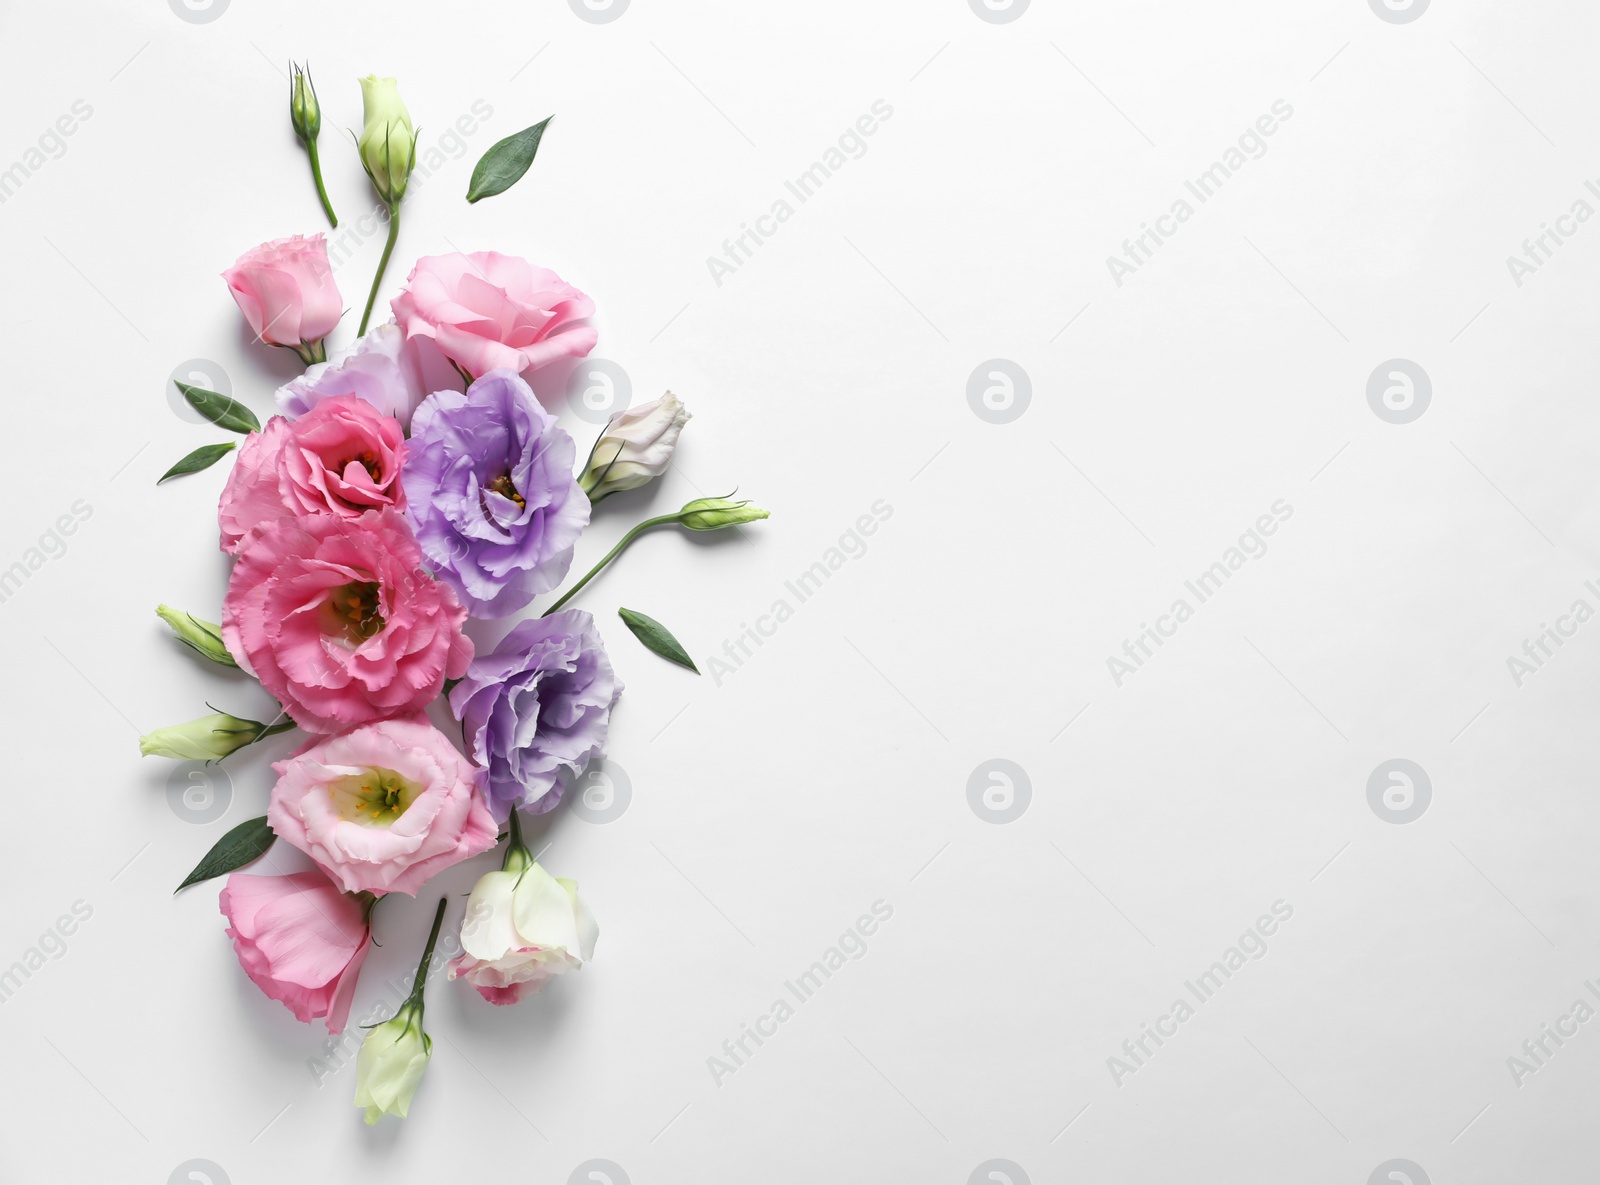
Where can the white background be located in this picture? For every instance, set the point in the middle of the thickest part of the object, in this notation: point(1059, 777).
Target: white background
point(773, 805)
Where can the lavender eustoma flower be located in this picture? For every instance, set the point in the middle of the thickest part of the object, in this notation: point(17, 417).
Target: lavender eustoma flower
point(378, 368)
point(535, 710)
point(490, 493)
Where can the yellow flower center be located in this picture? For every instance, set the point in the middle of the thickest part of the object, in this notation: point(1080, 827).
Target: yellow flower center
point(372, 797)
point(503, 486)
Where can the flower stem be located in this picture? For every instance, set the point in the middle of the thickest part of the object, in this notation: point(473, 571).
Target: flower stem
point(427, 956)
point(316, 175)
point(659, 521)
point(383, 265)
point(518, 858)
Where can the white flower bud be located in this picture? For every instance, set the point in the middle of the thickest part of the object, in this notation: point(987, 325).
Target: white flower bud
point(388, 143)
point(394, 1056)
point(210, 738)
point(635, 448)
point(391, 1063)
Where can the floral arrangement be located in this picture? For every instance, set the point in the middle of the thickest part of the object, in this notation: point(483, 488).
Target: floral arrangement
point(412, 481)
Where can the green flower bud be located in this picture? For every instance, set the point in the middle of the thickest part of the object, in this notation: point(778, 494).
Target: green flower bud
point(394, 1056)
point(210, 738)
point(304, 111)
point(388, 145)
point(202, 637)
point(391, 1063)
point(711, 514)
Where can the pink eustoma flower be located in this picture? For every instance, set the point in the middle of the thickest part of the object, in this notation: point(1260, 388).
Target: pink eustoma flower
point(300, 940)
point(285, 290)
point(340, 621)
point(343, 457)
point(488, 311)
point(383, 807)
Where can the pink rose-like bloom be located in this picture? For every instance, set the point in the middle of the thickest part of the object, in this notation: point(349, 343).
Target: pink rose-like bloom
point(339, 620)
point(342, 457)
point(488, 311)
point(285, 290)
point(383, 807)
point(300, 940)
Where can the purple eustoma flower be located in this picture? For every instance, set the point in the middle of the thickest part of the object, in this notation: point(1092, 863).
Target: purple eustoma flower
point(490, 493)
point(379, 368)
point(535, 711)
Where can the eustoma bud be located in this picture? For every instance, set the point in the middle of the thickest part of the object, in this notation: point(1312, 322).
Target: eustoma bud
point(712, 514)
point(203, 637)
point(305, 116)
point(388, 147)
point(703, 514)
point(395, 1054)
point(210, 738)
point(304, 111)
point(635, 448)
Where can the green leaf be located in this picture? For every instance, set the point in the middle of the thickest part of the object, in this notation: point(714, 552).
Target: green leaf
point(657, 637)
point(503, 165)
point(220, 409)
point(234, 850)
point(203, 457)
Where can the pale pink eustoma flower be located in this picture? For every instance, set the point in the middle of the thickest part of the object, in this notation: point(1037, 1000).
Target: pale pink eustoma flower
point(286, 292)
point(300, 940)
point(488, 311)
point(383, 807)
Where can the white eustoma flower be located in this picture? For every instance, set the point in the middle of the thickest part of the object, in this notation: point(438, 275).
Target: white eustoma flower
point(523, 926)
point(635, 448)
